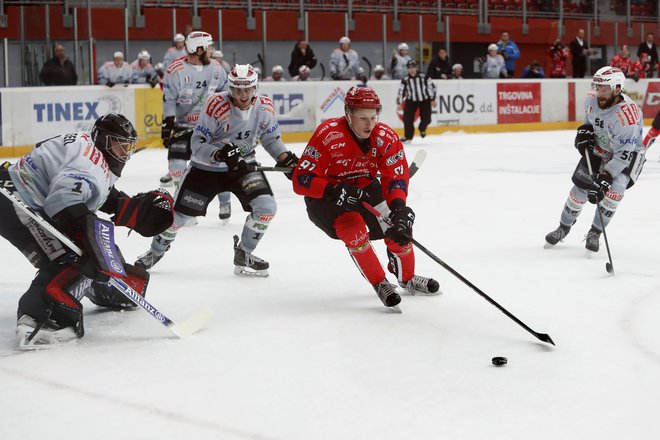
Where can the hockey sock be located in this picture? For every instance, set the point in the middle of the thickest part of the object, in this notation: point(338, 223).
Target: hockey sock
point(177, 168)
point(161, 242)
point(256, 223)
point(573, 206)
point(607, 208)
point(401, 260)
point(352, 230)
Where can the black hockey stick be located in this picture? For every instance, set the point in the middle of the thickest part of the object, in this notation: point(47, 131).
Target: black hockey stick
point(540, 336)
point(185, 328)
point(414, 166)
point(609, 267)
point(322, 71)
point(366, 60)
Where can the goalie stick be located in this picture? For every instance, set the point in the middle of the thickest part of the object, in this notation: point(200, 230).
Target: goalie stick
point(540, 336)
point(182, 329)
point(414, 166)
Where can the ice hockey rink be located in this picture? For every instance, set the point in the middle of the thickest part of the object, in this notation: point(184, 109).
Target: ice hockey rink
point(311, 353)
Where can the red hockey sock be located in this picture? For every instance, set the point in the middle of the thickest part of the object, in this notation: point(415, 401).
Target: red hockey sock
point(352, 230)
point(401, 260)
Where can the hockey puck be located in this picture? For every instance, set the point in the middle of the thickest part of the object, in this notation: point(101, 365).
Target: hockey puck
point(499, 361)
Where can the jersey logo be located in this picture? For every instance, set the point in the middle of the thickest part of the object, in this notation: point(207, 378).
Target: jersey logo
point(311, 152)
point(265, 101)
point(628, 114)
point(333, 135)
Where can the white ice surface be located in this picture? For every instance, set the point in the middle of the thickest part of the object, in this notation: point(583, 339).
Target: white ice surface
point(310, 352)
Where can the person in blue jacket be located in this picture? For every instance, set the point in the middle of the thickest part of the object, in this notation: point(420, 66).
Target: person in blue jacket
point(509, 51)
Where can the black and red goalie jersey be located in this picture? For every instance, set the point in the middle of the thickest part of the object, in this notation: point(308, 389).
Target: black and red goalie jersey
point(334, 154)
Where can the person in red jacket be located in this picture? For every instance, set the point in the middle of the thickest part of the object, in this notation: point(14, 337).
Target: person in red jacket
point(558, 55)
point(337, 172)
point(623, 62)
point(642, 67)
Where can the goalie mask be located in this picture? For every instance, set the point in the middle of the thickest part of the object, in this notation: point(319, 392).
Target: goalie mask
point(115, 137)
point(243, 82)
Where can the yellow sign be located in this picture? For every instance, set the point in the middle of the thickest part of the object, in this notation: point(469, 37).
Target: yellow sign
point(148, 114)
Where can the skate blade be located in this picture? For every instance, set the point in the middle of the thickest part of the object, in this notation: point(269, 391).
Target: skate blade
point(394, 309)
point(25, 345)
point(250, 273)
point(589, 254)
point(547, 245)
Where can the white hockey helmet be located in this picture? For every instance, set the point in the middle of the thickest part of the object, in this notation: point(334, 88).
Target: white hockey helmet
point(277, 69)
point(198, 39)
point(144, 55)
point(344, 40)
point(611, 76)
point(179, 38)
point(243, 76)
point(379, 68)
point(403, 46)
point(492, 46)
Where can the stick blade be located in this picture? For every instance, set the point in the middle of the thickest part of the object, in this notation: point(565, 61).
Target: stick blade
point(609, 268)
point(545, 338)
point(417, 162)
point(193, 324)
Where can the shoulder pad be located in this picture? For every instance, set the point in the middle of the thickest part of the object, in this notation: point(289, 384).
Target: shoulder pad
point(175, 66)
point(217, 107)
point(265, 101)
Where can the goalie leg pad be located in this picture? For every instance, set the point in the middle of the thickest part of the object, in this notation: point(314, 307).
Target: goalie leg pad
point(105, 295)
point(352, 230)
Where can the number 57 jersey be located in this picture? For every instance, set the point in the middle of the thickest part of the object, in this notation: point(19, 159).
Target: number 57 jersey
point(63, 171)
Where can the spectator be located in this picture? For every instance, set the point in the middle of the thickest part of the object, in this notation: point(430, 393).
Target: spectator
point(558, 55)
point(648, 47)
point(301, 55)
point(116, 71)
point(58, 71)
point(416, 93)
point(276, 74)
point(493, 66)
point(579, 51)
point(439, 67)
point(457, 71)
point(642, 67)
point(399, 62)
point(533, 70)
point(379, 73)
point(303, 74)
point(218, 56)
point(510, 53)
point(344, 61)
point(143, 71)
point(623, 61)
point(178, 50)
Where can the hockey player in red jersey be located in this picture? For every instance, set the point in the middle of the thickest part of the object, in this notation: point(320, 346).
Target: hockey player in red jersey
point(337, 172)
point(623, 62)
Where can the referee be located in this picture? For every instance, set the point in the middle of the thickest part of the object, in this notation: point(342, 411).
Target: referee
point(415, 92)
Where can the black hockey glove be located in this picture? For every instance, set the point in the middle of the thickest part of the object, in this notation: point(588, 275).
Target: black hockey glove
point(289, 161)
point(335, 76)
point(346, 196)
point(602, 184)
point(166, 130)
point(153, 81)
point(231, 155)
point(402, 222)
point(585, 138)
point(110, 84)
point(148, 214)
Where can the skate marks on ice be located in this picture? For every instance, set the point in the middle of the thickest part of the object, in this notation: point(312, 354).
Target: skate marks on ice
point(640, 316)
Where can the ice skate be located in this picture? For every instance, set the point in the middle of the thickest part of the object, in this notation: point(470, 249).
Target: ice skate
point(192, 221)
point(247, 264)
point(556, 236)
point(33, 335)
point(418, 284)
point(148, 260)
point(166, 180)
point(592, 241)
point(387, 294)
point(225, 212)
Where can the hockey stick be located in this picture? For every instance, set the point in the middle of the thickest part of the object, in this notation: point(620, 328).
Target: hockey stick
point(540, 336)
point(609, 267)
point(159, 141)
point(322, 71)
point(414, 166)
point(185, 328)
point(366, 60)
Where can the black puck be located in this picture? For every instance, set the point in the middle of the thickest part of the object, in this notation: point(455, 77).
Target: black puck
point(499, 361)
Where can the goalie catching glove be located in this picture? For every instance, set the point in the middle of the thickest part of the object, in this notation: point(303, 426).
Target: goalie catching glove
point(148, 214)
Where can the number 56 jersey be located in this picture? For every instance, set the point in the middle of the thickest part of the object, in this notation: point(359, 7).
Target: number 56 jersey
point(63, 171)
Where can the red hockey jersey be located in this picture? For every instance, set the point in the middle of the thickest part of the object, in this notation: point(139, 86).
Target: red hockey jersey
point(333, 155)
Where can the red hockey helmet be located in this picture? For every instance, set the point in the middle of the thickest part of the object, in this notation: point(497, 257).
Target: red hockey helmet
point(362, 97)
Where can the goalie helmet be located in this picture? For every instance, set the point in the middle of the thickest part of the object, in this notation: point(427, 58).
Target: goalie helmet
point(198, 39)
point(610, 76)
point(115, 137)
point(362, 97)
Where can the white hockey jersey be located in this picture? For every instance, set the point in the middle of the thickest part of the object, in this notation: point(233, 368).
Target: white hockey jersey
point(618, 132)
point(142, 74)
point(109, 72)
point(63, 171)
point(172, 54)
point(221, 122)
point(345, 65)
point(186, 88)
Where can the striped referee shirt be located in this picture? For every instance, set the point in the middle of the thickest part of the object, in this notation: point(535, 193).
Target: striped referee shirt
point(416, 88)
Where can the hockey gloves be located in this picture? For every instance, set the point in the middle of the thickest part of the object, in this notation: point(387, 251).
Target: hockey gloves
point(148, 214)
point(601, 186)
point(230, 154)
point(585, 138)
point(346, 196)
point(289, 161)
point(402, 222)
point(166, 130)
